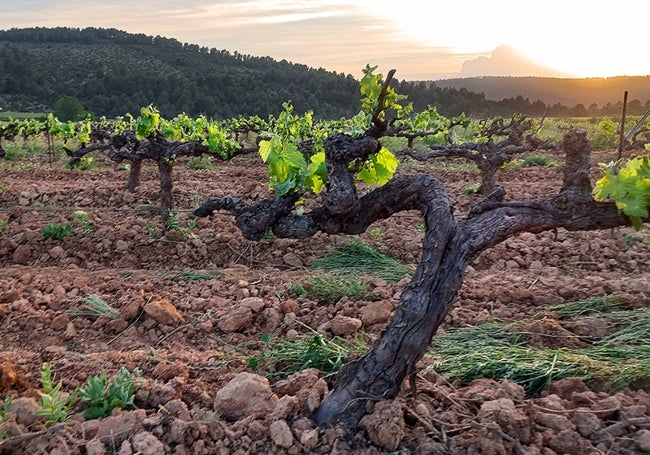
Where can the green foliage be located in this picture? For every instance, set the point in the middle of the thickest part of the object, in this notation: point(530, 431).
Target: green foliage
point(376, 233)
point(96, 307)
point(196, 163)
point(69, 130)
point(357, 258)
point(87, 227)
point(68, 108)
point(473, 188)
point(150, 229)
point(148, 122)
point(627, 183)
point(103, 396)
point(539, 159)
point(281, 357)
point(4, 410)
point(531, 160)
point(85, 163)
point(379, 168)
point(54, 405)
point(172, 224)
point(331, 289)
point(501, 350)
point(289, 171)
point(58, 231)
point(370, 86)
point(287, 165)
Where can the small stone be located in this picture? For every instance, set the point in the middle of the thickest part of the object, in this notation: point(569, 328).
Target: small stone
point(289, 306)
point(285, 407)
point(56, 252)
point(121, 246)
point(377, 312)
point(309, 438)
point(255, 304)
point(247, 394)
point(344, 325)
point(95, 447)
point(293, 260)
point(385, 425)
point(235, 320)
point(587, 423)
point(281, 434)
point(70, 331)
point(22, 255)
point(163, 312)
point(60, 321)
point(116, 325)
point(642, 439)
point(554, 421)
point(131, 310)
point(25, 411)
point(145, 443)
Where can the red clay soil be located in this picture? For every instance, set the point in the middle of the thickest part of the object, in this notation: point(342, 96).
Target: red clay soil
point(191, 339)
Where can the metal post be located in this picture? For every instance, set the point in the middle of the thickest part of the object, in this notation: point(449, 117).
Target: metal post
point(622, 137)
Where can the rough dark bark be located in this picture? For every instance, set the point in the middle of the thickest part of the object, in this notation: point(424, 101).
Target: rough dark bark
point(76, 156)
point(127, 147)
point(449, 246)
point(490, 155)
point(134, 175)
point(165, 168)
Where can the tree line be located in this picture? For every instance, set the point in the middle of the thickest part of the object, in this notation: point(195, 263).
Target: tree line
point(111, 72)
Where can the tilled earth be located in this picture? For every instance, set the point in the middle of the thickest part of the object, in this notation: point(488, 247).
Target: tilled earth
point(193, 309)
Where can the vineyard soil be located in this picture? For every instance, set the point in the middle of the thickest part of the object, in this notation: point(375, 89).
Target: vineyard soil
point(193, 306)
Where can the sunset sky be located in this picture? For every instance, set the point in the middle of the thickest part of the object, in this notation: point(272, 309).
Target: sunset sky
point(421, 39)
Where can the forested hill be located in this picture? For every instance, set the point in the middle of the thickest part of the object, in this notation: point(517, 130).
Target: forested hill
point(557, 90)
point(112, 72)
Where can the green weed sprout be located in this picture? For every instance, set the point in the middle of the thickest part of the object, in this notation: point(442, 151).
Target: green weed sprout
point(58, 231)
point(4, 410)
point(86, 225)
point(102, 396)
point(54, 405)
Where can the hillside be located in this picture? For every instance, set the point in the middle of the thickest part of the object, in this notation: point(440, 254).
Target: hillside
point(112, 72)
point(556, 90)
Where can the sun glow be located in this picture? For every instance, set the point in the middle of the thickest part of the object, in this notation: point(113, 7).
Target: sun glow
point(579, 37)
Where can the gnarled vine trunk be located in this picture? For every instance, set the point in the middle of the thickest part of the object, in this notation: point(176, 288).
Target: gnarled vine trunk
point(449, 246)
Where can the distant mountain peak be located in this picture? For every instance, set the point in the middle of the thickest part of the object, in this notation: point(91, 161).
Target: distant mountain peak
point(506, 61)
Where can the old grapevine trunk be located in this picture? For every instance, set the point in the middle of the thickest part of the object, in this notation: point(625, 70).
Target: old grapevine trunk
point(448, 247)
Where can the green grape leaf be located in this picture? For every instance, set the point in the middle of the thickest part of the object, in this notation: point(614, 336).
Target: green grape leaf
point(628, 185)
point(285, 187)
point(316, 173)
point(379, 168)
point(285, 163)
point(264, 150)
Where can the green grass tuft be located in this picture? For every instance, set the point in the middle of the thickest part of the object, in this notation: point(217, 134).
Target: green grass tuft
point(190, 275)
point(281, 357)
point(96, 307)
point(500, 351)
point(357, 258)
point(599, 304)
point(331, 289)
